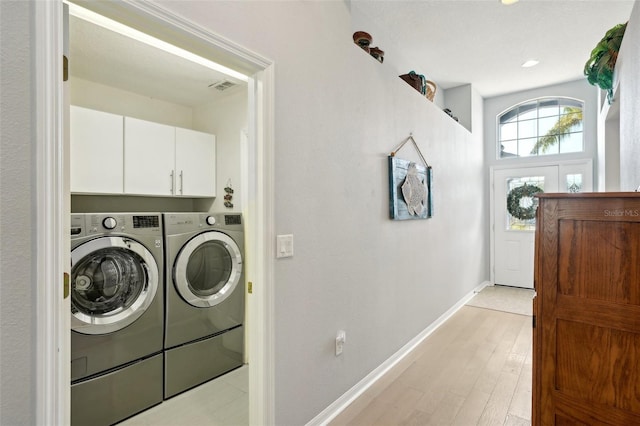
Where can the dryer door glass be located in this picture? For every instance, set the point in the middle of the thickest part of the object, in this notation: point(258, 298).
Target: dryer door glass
point(113, 282)
point(208, 269)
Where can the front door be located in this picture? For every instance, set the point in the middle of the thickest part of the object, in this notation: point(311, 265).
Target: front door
point(514, 210)
point(514, 221)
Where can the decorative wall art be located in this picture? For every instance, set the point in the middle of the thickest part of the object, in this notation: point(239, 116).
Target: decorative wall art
point(410, 194)
point(228, 196)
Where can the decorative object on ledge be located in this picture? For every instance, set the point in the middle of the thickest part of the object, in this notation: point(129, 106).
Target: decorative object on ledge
point(409, 186)
point(377, 54)
point(421, 84)
point(450, 114)
point(414, 80)
point(521, 202)
point(228, 196)
point(430, 90)
point(599, 68)
point(362, 39)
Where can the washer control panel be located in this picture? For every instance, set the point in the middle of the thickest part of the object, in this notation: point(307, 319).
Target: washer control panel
point(77, 225)
point(109, 222)
point(87, 224)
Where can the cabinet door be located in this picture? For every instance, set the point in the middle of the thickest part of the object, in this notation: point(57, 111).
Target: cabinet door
point(195, 163)
point(587, 338)
point(96, 151)
point(149, 152)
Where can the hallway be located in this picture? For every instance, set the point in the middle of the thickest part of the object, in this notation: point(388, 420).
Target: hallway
point(473, 370)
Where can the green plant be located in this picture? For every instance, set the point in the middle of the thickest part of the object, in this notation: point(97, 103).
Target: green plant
point(599, 67)
point(571, 117)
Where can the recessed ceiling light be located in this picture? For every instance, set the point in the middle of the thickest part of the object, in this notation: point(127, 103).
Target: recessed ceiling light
point(530, 63)
point(119, 28)
point(508, 2)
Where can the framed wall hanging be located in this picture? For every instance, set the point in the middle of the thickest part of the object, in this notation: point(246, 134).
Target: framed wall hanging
point(410, 192)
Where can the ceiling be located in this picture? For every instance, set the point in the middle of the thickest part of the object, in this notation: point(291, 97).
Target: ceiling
point(103, 56)
point(484, 42)
point(452, 42)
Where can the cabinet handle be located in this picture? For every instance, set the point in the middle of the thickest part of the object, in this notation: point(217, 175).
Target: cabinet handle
point(181, 182)
point(171, 184)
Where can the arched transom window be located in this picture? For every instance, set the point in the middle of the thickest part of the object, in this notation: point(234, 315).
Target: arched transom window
point(542, 126)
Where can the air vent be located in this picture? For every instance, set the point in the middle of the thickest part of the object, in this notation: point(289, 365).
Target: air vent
point(223, 85)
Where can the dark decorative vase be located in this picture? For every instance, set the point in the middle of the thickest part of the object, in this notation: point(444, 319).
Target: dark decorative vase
point(362, 39)
point(377, 53)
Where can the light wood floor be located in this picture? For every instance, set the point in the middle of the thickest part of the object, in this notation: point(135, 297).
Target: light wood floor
point(473, 370)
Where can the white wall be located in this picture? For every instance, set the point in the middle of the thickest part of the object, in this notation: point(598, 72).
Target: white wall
point(17, 235)
point(338, 113)
point(97, 96)
point(226, 117)
point(458, 100)
point(628, 68)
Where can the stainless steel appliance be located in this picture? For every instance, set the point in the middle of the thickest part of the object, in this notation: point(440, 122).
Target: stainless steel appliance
point(117, 322)
point(204, 315)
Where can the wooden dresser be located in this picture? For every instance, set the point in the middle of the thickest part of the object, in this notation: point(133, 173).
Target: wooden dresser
point(586, 337)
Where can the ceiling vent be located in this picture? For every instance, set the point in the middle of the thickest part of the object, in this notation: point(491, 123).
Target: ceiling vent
point(222, 85)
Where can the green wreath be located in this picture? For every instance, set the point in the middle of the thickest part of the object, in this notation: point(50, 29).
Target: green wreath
point(515, 198)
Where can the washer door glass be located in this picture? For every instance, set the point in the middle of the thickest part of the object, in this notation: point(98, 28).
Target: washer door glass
point(113, 281)
point(208, 269)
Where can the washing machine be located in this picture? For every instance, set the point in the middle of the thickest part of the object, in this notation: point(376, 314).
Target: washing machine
point(204, 300)
point(117, 315)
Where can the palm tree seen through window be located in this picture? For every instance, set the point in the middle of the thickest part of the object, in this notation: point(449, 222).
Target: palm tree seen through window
point(541, 127)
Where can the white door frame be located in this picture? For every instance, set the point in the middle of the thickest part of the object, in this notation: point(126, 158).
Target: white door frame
point(492, 224)
point(52, 374)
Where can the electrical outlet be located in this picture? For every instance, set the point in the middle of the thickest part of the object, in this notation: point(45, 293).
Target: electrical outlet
point(341, 338)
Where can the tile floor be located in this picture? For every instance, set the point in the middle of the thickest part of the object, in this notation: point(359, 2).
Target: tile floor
point(507, 299)
point(220, 402)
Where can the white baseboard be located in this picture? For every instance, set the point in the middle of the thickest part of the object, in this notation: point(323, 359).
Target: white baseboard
point(359, 388)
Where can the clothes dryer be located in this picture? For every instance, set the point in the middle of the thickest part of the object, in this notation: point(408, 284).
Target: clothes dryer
point(117, 310)
point(204, 315)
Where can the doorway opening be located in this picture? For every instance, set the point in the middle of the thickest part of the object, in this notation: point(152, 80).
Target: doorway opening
point(53, 199)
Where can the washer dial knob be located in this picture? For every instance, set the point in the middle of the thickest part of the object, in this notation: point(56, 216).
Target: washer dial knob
point(109, 222)
point(211, 220)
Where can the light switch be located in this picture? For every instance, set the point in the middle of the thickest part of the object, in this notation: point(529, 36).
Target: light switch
point(284, 245)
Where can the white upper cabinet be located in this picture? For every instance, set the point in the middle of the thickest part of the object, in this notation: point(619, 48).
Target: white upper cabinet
point(96, 157)
point(112, 154)
point(168, 161)
point(149, 158)
point(195, 163)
